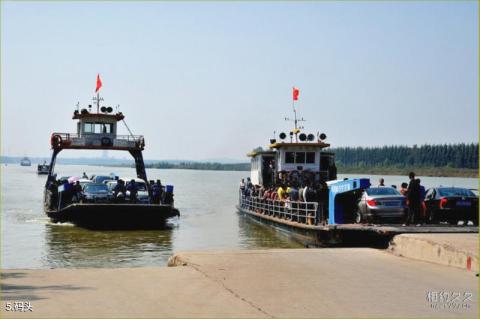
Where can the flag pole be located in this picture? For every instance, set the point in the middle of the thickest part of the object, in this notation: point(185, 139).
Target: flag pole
point(98, 101)
point(294, 114)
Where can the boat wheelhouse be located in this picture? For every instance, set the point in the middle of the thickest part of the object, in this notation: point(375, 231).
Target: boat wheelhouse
point(299, 162)
point(42, 169)
point(99, 131)
point(25, 162)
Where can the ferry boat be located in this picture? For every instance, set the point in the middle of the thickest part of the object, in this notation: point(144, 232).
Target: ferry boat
point(42, 169)
point(98, 131)
point(327, 211)
point(300, 160)
point(25, 162)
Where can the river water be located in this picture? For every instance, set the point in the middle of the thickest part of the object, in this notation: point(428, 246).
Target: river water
point(208, 221)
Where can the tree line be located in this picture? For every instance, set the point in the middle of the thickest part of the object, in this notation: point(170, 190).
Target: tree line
point(446, 155)
point(201, 166)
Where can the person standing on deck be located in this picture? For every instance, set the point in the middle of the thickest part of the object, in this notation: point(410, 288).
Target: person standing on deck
point(381, 182)
point(157, 191)
point(423, 207)
point(281, 192)
point(133, 189)
point(413, 199)
point(119, 190)
point(403, 189)
point(242, 186)
point(77, 191)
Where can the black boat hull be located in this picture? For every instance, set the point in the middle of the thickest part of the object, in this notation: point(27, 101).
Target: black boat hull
point(114, 216)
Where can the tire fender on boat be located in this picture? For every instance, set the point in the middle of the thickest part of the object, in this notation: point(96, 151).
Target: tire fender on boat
point(56, 140)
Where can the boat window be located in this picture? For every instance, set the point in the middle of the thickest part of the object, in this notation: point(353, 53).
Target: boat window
point(289, 157)
point(88, 127)
point(310, 157)
point(107, 128)
point(300, 157)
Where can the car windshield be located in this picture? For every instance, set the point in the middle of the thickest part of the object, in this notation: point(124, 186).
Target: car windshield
point(381, 191)
point(140, 186)
point(95, 188)
point(100, 179)
point(453, 191)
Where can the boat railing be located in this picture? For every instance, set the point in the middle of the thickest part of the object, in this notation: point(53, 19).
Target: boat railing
point(308, 213)
point(97, 139)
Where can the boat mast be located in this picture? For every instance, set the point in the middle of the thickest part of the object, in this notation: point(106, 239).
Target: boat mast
point(98, 99)
point(295, 120)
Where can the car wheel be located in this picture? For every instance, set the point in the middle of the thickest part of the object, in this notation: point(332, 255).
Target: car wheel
point(358, 217)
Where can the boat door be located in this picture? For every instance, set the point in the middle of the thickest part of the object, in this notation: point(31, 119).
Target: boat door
point(268, 170)
point(328, 170)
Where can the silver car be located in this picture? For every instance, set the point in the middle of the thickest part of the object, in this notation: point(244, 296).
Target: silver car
point(381, 203)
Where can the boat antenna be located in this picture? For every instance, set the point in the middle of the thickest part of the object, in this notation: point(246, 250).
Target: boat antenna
point(98, 99)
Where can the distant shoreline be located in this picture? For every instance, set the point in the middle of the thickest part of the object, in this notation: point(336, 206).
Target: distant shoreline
point(245, 167)
point(419, 171)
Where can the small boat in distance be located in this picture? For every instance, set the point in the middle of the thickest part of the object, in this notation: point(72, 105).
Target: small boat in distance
point(65, 202)
point(42, 169)
point(25, 162)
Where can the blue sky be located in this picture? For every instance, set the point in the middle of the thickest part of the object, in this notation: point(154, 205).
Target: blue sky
point(214, 79)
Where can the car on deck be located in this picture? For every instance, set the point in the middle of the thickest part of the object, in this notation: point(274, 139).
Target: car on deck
point(381, 204)
point(95, 193)
point(451, 204)
point(98, 179)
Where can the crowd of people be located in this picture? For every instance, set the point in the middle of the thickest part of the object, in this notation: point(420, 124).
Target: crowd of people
point(291, 200)
point(73, 192)
point(295, 196)
point(415, 194)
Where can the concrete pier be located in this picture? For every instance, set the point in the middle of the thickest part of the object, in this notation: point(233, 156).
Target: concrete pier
point(457, 250)
point(325, 282)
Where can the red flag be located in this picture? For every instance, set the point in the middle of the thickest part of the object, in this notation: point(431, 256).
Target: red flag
point(99, 83)
point(296, 92)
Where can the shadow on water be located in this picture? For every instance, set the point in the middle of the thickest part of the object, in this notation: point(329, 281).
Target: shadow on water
point(256, 235)
point(70, 246)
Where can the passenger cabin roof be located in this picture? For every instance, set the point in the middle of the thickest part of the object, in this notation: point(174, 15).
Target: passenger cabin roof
point(300, 144)
point(98, 116)
point(255, 153)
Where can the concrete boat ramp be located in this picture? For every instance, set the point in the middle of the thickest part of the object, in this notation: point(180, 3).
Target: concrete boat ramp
point(410, 279)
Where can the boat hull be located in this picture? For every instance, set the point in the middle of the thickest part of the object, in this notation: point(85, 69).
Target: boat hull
point(349, 235)
point(114, 216)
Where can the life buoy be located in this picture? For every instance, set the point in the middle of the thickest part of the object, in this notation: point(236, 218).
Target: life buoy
point(56, 140)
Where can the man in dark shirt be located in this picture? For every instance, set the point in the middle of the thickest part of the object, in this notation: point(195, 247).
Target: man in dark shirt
point(119, 191)
point(157, 192)
point(133, 189)
point(413, 199)
point(77, 191)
